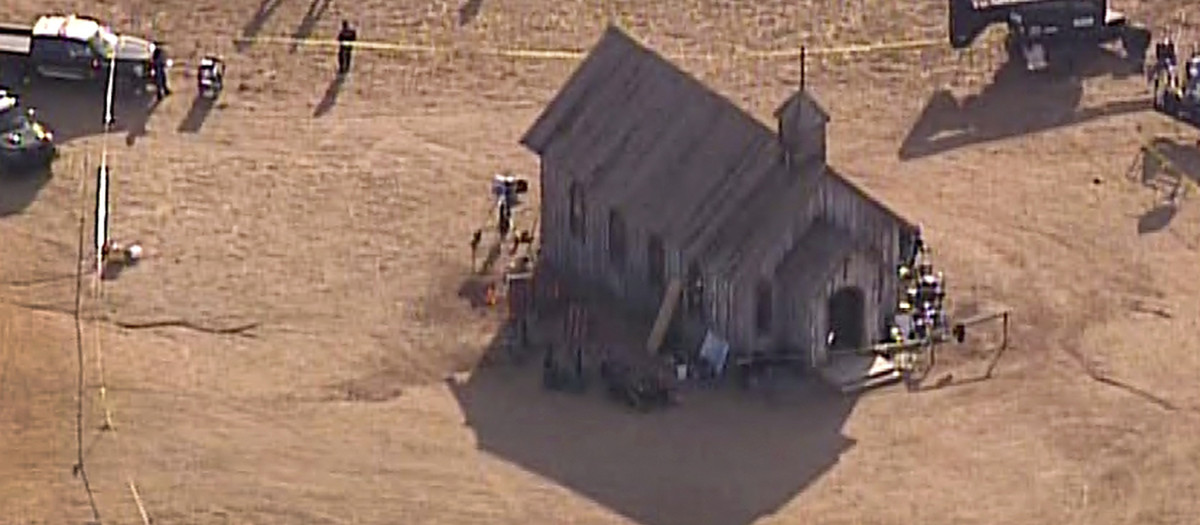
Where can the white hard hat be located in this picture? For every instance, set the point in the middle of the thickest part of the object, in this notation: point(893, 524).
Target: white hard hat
point(135, 251)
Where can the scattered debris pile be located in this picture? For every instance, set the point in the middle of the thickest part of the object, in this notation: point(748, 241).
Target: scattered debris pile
point(116, 256)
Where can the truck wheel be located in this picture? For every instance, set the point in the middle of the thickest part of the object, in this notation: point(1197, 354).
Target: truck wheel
point(1012, 47)
point(1169, 104)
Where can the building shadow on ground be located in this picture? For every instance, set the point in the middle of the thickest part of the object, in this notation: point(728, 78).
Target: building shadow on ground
point(1015, 103)
point(74, 110)
point(722, 456)
point(18, 189)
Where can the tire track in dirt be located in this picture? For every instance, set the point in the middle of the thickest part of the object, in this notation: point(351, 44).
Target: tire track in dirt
point(240, 329)
point(1068, 330)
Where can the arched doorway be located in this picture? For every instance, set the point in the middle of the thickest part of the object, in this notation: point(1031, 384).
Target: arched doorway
point(847, 319)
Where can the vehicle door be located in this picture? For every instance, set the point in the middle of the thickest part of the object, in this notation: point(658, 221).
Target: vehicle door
point(63, 58)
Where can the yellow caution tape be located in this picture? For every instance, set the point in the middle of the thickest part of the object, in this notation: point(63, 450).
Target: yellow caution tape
point(400, 47)
point(539, 54)
point(574, 54)
point(907, 45)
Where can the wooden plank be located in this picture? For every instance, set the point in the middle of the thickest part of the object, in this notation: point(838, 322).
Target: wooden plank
point(665, 313)
point(982, 317)
point(852, 374)
point(872, 383)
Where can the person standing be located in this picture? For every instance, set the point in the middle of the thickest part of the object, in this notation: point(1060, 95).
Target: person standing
point(158, 61)
point(346, 38)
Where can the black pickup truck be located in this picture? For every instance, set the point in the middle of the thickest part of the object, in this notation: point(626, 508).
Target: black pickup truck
point(1045, 31)
point(76, 48)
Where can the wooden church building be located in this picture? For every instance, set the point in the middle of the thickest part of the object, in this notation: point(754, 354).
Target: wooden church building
point(649, 176)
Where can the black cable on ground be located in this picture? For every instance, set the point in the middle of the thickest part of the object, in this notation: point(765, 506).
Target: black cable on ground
point(79, 468)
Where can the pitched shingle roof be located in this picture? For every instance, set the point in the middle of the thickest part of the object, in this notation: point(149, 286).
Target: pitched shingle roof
point(814, 257)
point(675, 157)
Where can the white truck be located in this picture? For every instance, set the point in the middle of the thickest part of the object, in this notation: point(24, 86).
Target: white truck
point(78, 48)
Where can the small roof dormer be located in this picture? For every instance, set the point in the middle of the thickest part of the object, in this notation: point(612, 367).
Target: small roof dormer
point(801, 128)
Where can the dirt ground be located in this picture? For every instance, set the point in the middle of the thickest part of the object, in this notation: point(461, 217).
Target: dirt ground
point(335, 218)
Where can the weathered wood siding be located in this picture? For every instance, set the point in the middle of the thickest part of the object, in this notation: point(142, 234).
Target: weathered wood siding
point(554, 216)
point(804, 146)
point(801, 128)
point(799, 322)
point(860, 270)
point(743, 294)
point(729, 300)
point(846, 207)
point(634, 279)
point(589, 259)
point(718, 308)
point(574, 255)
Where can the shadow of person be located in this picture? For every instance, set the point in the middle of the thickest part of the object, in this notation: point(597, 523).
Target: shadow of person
point(137, 121)
point(329, 99)
point(718, 459)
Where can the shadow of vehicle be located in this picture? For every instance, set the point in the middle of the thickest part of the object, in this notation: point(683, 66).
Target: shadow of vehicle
point(1015, 103)
point(720, 458)
point(18, 189)
point(72, 110)
point(196, 116)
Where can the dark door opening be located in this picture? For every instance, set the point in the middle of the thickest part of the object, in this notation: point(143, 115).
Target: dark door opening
point(847, 322)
